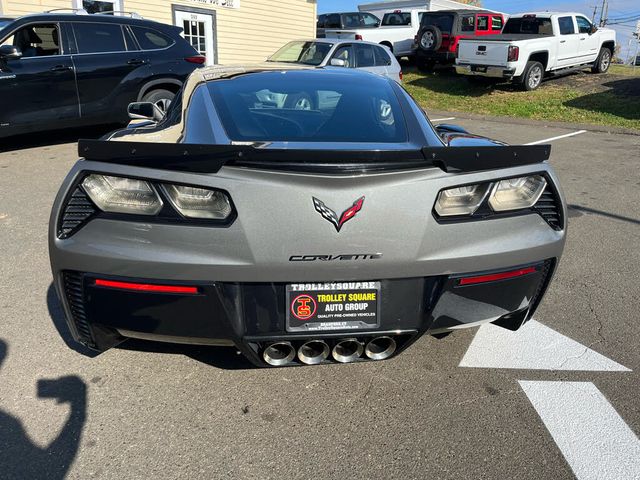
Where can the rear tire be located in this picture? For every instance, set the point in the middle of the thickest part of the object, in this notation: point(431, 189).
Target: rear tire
point(603, 62)
point(161, 97)
point(532, 76)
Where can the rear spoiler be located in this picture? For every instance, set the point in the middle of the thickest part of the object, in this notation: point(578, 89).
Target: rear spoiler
point(197, 158)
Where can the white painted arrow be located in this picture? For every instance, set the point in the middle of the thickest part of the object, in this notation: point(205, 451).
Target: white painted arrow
point(533, 347)
point(594, 439)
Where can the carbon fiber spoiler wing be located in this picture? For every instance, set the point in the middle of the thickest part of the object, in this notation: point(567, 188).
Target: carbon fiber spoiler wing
point(205, 158)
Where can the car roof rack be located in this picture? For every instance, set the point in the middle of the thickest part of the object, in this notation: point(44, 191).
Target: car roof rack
point(121, 13)
point(77, 11)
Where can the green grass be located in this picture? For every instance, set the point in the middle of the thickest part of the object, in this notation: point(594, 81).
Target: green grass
point(626, 70)
point(448, 92)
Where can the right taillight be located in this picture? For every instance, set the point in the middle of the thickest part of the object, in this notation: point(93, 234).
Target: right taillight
point(514, 53)
point(458, 50)
point(199, 59)
point(358, 36)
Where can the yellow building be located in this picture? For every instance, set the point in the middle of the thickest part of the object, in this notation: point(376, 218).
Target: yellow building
point(226, 31)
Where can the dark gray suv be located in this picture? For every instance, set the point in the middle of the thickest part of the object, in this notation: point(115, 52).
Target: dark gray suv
point(65, 70)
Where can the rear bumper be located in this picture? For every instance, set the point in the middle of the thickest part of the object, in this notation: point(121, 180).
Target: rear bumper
point(435, 56)
point(250, 316)
point(485, 71)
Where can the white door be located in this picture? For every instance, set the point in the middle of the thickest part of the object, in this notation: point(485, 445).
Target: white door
point(589, 45)
point(567, 42)
point(198, 31)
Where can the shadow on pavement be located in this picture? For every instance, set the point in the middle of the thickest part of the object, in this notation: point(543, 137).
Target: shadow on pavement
point(55, 137)
point(21, 458)
point(602, 213)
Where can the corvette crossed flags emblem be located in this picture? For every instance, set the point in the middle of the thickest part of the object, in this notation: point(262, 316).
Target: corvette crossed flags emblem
point(331, 216)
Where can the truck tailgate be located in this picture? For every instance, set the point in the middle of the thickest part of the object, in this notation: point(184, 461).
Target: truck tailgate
point(482, 52)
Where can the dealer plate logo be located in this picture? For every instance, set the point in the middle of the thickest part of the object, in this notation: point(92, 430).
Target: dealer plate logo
point(303, 307)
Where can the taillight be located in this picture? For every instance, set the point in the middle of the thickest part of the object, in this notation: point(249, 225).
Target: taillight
point(358, 36)
point(145, 287)
point(400, 75)
point(415, 39)
point(457, 50)
point(514, 53)
point(199, 59)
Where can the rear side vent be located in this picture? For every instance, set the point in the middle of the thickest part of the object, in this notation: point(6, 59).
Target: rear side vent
point(74, 292)
point(77, 211)
point(550, 209)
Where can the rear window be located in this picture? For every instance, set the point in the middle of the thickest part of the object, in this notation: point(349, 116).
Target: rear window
point(303, 106)
point(391, 19)
point(99, 37)
point(443, 22)
point(307, 53)
point(149, 39)
point(528, 25)
point(468, 23)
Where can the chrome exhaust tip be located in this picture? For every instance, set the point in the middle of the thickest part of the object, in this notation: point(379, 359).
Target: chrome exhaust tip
point(279, 353)
point(380, 348)
point(313, 352)
point(347, 350)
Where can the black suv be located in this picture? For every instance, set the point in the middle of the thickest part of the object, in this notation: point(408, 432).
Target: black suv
point(345, 20)
point(64, 70)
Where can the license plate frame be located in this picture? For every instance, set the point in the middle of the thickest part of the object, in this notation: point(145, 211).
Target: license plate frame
point(322, 307)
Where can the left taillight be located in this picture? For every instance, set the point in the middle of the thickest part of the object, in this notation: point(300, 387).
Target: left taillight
point(199, 59)
point(358, 36)
point(122, 195)
point(401, 75)
point(513, 53)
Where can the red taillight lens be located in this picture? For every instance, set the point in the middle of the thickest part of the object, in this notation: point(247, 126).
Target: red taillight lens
point(199, 59)
point(496, 276)
point(514, 53)
point(145, 287)
point(358, 36)
point(457, 50)
point(400, 75)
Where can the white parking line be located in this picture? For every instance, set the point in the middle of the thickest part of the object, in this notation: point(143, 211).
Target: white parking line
point(557, 138)
point(533, 347)
point(594, 439)
point(442, 119)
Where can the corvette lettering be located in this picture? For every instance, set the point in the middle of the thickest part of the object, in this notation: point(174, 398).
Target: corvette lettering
point(331, 258)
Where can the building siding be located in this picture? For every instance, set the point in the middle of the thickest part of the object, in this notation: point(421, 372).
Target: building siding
point(244, 35)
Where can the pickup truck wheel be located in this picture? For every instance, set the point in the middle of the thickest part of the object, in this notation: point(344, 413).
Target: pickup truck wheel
point(603, 61)
point(532, 76)
point(161, 97)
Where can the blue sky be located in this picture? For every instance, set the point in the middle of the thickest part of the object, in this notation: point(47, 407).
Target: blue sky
point(617, 9)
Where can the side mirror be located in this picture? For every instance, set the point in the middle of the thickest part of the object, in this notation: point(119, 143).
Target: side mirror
point(10, 52)
point(338, 62)
point(145, 111)
point(593, 30)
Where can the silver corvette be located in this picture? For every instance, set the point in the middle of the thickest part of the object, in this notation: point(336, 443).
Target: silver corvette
point(342, 232)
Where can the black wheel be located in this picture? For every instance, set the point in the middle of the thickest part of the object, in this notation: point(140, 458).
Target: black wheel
point(603, 61)
point(426, 66)
point(299, 101)
point(532, 76)
point(430, 38)
point(161, 97)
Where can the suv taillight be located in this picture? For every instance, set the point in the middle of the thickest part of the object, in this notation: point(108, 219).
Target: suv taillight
point(457, 50)
point(358, 36)
point(514, 53)
point(199, 59)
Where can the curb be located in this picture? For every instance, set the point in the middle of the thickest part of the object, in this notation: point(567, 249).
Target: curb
point(539, 123)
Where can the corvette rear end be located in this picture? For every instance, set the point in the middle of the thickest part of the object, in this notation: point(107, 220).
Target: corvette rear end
point(340, 233)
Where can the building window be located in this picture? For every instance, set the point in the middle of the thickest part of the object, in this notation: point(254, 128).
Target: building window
point(99, 6)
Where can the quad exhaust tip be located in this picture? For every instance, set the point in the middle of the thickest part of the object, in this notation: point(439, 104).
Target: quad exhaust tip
point(347, 350)
point(279, 353)
point(313, 352)
point(380, 348)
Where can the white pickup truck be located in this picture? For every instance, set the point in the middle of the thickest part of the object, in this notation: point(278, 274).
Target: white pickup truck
point(535, 44)
point(396, 31)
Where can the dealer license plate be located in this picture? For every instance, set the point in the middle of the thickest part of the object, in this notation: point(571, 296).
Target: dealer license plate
point(332, 306)
point(479, 69)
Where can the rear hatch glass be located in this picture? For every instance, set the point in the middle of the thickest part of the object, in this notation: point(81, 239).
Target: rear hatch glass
point(308, 106)
point(443, 21)
point(396, 19)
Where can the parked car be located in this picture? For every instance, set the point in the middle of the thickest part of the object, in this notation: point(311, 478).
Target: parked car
point(345, 20)
point(341, 53)
point(64, 70)
point(342, 233)
point(440, 32)
point(396, 32)
point(533, 45)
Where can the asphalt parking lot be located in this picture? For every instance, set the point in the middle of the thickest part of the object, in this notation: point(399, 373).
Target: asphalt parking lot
point(560, 399)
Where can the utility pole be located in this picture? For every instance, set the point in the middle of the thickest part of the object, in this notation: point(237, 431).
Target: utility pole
point(603, 13)
point(595, 12)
